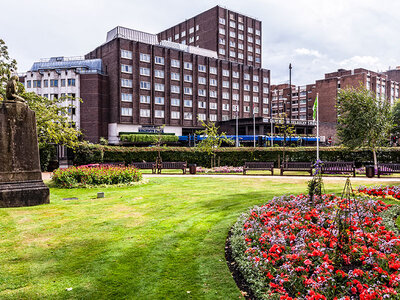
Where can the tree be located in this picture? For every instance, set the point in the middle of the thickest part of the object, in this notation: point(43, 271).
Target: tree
point(396, 119)
point(52, 115)
point(363, 120)
point(212, 141)
point(286, 129)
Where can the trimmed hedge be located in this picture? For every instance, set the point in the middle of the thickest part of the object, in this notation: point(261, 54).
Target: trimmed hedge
point(227, 156)
point(148, 138)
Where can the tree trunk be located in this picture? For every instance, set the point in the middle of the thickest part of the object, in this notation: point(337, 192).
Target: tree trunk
point(375, 160)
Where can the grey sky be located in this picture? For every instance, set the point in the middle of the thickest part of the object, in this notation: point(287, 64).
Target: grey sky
point(316, 36)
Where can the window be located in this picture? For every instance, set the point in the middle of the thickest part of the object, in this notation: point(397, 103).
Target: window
point(175, 102)
point(265, 80)
point(37, 83)
point(125, 111)
point(53, 96)
point(255, 110)
point(255, 88)
point(246, 98)
point(144, 99)
point(175, 76)
point(221, 51)
point(202, 68)
point(175, 63)
point(222, 21)
point(235, 74)
point(240, 46)
point(235, 108)
point(71, 82)
point(126, 54)
point(201, 117)
point(159, 113)
point(202, 104)
point(240, 55)
point(159, 60)
point(213, 82)
point(159, 87)
point(191, 40)
point(213, 118)
point(62, 82)
point(258, 59)
point(187, 90)
point(225, 84)
point(265, 100)
point(46, 95)
point(250, 58)
point(255, 99)
point(145, 113)
point(159, 100)
point(246, 108)
point(45, 83)
point(197, 37)
point(213, 105)
point(235, 85)
point(213, 94)
point(232, 53)
point(265, 90)
point(126, 97)
point(213, 70)
point(225, 106)
point(232, 24)
point(187, 103)
point(247, 87)
point(202, 80)
point(235, 97)
point(265, 111)
point(144, 57)
point(54, 82)
point(225, 73)
point(202, 92)
point(225, 96)
point(191, 29)
point(145, 71)
point(197, 27)
point(222, 41)
point(222, 31)
point(128, 83)
point(246, 76)
point(240, 26)
point(240, 36)
point(145, 85)
point(177, 36)
point(159, 73)
point(175, 115)
point(187, 78)
point(187, 65)
point(232, 16)
point(258, 41)
point(187, 116)
point(183, 33)
point(232, 34)
point(250, 48)
point(258, 32)
point(249, 39)
point(126, 69)
point(175, 89)
point(250, 30)
point(258, 50)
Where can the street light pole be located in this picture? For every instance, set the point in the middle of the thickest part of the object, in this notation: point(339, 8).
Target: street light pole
point(237, 127)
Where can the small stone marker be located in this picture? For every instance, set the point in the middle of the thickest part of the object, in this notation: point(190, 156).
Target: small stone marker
point(70, 198)
point(100, 195)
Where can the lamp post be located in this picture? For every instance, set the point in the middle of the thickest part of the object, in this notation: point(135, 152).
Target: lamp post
point(237, 126)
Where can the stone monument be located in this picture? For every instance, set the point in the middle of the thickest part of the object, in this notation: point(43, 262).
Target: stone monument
point(21, 181)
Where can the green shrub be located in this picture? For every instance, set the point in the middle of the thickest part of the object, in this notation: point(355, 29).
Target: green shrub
point(228, 156)
point(92, 176)
point(48, 154)
point(148, 138)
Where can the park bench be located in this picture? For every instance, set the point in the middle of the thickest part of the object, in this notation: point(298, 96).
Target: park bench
point(338, 167)
point(296, 166)
point(258, 166)
point(145, 165)
point(179, 165)
point(388, 169)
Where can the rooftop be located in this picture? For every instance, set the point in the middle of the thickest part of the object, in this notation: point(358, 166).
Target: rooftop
point(63, 63)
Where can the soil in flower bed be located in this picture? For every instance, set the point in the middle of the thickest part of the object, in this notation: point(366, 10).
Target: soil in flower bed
point(329, 248)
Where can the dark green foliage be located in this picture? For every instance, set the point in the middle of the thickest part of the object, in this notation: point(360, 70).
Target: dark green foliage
point(148, 138)
point(87, 154)
point(48, 154)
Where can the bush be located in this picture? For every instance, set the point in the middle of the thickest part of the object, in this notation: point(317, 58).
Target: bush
point(148, 138)
point(48, 155)
point(91, 176)
point(87, 154)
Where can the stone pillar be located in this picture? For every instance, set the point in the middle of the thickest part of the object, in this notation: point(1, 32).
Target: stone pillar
point(20, 177)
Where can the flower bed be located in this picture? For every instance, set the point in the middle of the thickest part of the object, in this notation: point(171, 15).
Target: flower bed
point(381, 191)
point(290, 248)
point(223, 170)
point(95, 175)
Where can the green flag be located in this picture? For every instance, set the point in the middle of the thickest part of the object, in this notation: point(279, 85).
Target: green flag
point(315, 107)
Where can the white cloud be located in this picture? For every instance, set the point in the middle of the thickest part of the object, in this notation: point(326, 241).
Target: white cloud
point(307, 52)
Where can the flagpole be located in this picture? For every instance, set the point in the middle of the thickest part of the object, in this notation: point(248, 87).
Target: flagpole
point(317, 128)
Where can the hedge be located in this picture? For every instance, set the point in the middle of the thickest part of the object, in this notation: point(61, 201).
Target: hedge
point(228, 156)
point(147, 138)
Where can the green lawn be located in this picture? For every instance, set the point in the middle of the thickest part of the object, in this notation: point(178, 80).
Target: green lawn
point(161, 240)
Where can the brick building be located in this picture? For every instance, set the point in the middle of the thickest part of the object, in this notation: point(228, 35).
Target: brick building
point(154, 83)
point(234, 36)
point(327, 89)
